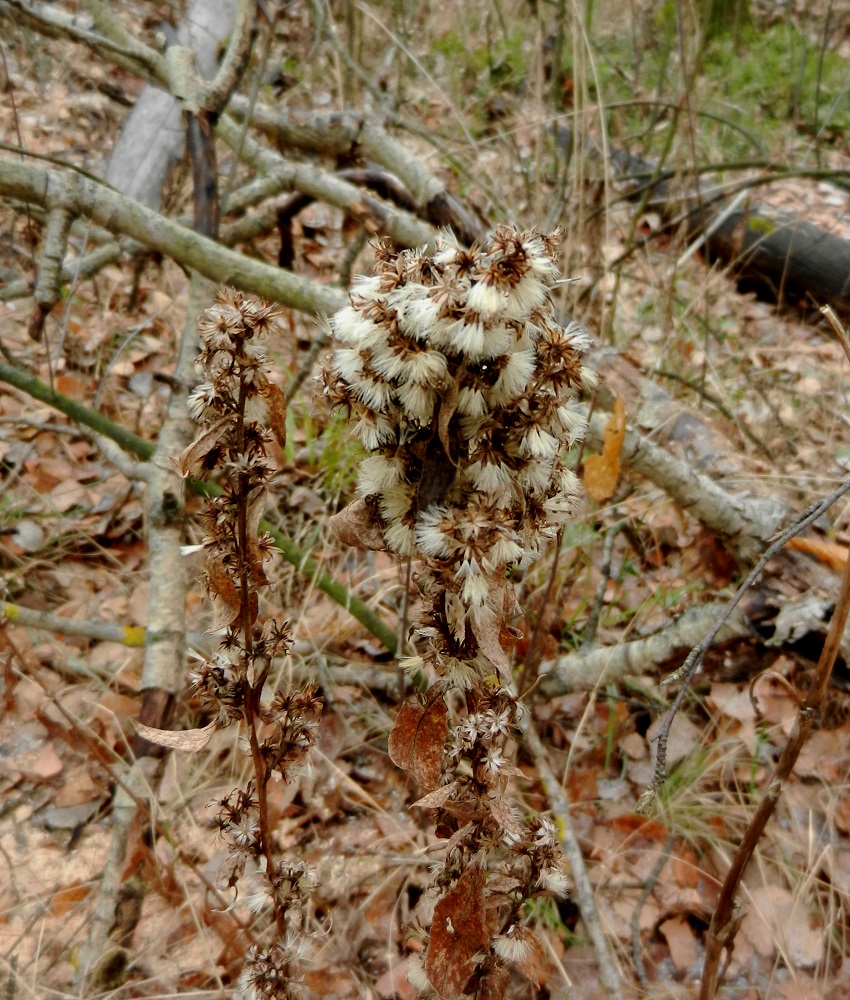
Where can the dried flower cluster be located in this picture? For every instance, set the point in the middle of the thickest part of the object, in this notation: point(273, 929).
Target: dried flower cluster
point(463, 387)
point(233, 405)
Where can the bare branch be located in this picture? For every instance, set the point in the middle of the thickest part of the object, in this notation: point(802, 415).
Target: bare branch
point(342, 134)
point(217, 92)
point(47, 287)
point(404, 228)
point(583, 670)
point(745, 522)
point(123, 216)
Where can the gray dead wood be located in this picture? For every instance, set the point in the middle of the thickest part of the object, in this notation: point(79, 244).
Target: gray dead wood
point(347, 134)
point(585, 669)
point(126, 217)
point(668, 430)
point(152, 140)
point(792, 600)
point(777, 254)
point(782, 258)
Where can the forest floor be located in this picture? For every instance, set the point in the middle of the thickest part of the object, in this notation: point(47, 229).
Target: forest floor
point(72, 544)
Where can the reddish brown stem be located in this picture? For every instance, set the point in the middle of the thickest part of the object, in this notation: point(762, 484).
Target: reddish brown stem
point(253, 692)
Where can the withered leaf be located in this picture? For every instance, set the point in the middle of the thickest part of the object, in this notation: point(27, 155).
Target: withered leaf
point(448, 405)
point(501, 885)
point(601, 472)
point(400, 742)
point(457, 934)
point(276, 399)
point(256, 507)
point(428, 744)
point(488, 625)
point(194, 461)
point(230, 872)
point(439, 797)
point(417, 740)
point(360, 524)
point(192, 740)
point(503, 814)
point(458, 837)
point(493, 984)
point(221, 586)
point(455, 615)
point(831, 553)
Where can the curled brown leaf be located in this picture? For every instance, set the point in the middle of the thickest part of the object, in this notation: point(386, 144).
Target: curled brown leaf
point(192, 740)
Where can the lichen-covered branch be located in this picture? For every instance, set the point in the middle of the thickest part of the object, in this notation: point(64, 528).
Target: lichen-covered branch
point(404, 228)
point(53, 249)
point(342, 133)
point(609, 664)
point(745, 522)
point(53, 188)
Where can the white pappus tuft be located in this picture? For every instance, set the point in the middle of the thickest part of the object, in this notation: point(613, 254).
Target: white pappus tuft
point(489, 477)
point(540, 444)
point(513, 378)
point(486, 299)
point(430, 537)
point(378, 473)
point(417, 401)
point(375, 430)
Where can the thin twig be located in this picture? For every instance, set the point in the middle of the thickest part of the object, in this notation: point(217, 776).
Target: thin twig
point(608, 973)
point(646, 892)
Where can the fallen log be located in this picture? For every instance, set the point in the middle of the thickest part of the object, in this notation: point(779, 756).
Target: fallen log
point(781, 258)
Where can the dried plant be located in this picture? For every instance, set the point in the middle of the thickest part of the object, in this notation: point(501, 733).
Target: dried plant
point(233, 405)
point(462, 386)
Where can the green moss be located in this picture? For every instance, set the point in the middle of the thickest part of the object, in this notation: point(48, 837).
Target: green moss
point(759, 224)
point(498, 63)
point(451, 46)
